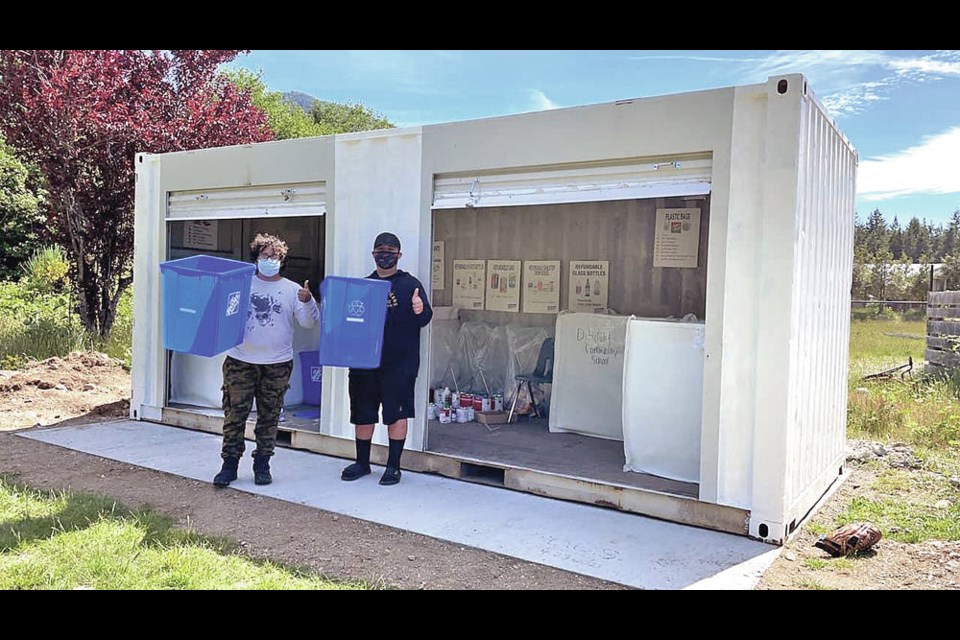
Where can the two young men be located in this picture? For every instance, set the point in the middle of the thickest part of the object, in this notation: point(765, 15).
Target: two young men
point(260, 366)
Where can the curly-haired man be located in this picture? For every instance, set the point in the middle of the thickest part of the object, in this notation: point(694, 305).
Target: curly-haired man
point(259, 368)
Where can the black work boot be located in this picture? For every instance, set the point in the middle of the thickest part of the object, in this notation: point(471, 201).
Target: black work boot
point(228, 472)
point(261, 470)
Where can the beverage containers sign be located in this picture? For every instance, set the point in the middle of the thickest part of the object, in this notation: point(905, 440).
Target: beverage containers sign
point(503, 285)
point(468, 283)
point(588, 285)
point(541, 286)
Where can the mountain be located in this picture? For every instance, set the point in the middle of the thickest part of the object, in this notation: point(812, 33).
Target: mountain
point(303, 100)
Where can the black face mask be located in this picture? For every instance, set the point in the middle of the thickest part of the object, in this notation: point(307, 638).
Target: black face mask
point(386, 259)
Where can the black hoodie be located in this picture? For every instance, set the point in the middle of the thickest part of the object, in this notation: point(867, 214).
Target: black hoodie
point(401, 331)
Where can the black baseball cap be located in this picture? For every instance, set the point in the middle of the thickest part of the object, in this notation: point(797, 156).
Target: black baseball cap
point(387, 239)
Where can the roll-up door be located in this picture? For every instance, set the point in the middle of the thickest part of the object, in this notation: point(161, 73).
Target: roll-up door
point(297, 199)
point(574, 183)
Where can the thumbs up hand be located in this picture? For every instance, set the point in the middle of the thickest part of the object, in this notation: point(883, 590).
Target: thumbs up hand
point(304, 293)
point(417, 302)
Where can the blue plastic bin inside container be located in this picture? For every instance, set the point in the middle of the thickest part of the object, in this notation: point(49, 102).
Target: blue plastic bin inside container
point(204, 304)
point(311, 376)
point(352, 313)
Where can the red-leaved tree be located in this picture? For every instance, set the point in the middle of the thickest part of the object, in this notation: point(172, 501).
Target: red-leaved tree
point(81, 116)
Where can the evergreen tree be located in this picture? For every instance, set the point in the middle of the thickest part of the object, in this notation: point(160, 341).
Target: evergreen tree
point(916, 240)
point(951, 236)
point(896, 239)
point(876, 234)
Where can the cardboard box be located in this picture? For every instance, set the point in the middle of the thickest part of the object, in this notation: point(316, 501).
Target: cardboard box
point(492, 417)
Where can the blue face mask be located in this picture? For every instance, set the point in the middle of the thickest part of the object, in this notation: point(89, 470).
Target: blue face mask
point(268, 267)
point(386, 259)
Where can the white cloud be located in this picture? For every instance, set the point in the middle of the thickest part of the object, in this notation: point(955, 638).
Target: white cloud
point(854, 99)
point(927, 66)
point(840, 74)
point(847, 81)
point(540, 101)
point(929, 167)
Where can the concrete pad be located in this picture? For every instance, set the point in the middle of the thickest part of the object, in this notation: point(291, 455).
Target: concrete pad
point(611, 545)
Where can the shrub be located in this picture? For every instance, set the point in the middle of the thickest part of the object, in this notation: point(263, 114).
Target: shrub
point(46, 270)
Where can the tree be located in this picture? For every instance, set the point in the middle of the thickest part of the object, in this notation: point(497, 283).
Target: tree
point(919, 283)
point(347, 118)
point(881, 273)
point(20, 218)
point(80, 116)
point(951, 271)
point(286, 120)
point(861, 273)
point(934, 239)
point(951, 236)
point(875, 234)
point(916, 241)
point(896, 239)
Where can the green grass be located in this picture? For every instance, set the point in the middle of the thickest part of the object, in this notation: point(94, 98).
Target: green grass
point(918, 410)
point(813, 585)
point(36, 326)
point(921, 411)
point(815, 563)
point(905, 507)
point(67, 540)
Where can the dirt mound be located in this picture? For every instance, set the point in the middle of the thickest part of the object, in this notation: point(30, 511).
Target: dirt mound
point(56, 389)
point(73, 373)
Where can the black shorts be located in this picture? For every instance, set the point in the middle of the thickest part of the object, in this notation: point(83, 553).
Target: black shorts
point(369, 389)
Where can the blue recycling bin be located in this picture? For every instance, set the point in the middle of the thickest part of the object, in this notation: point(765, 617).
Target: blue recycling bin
point(311, 376)
point(352, 315)
point(204, 303)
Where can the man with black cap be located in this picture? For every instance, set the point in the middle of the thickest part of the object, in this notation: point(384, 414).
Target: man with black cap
point(391, 385)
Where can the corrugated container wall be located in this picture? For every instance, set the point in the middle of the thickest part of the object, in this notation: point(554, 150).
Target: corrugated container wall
point(803, 306)
point(823, 262)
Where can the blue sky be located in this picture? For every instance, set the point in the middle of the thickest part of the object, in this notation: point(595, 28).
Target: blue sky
point(900, 109)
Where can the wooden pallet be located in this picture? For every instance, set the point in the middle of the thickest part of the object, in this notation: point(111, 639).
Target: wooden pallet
point(943, 329)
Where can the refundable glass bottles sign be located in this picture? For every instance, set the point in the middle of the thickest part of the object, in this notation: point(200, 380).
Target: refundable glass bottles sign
point(589, 284)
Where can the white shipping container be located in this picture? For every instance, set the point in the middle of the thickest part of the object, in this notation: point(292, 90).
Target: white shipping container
point(779, 179)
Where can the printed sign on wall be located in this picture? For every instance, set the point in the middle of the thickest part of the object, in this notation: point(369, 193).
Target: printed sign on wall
point(438, 265)
point(503, 285)
point(468, 283)
point(588, 285)
point(677, 239)
point(200, 234)
point(541, 286)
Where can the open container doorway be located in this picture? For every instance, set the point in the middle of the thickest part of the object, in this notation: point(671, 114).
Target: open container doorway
point(189, 380)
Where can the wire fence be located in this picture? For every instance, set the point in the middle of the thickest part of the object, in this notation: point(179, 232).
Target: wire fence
point(898, 306)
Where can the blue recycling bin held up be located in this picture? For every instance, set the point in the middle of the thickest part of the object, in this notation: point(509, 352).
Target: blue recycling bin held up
point(352, 315)
point(204, 304)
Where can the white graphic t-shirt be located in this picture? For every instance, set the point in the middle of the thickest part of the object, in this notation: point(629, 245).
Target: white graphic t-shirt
point(268, 336)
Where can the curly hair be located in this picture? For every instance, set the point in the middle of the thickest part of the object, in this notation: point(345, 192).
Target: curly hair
point(264, 240)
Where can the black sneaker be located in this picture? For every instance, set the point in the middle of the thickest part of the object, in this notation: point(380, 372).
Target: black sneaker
point(390, 476)
point(355, 471)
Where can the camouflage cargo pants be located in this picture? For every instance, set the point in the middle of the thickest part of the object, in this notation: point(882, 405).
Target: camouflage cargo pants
point(242, 383)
